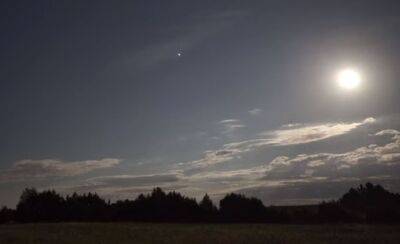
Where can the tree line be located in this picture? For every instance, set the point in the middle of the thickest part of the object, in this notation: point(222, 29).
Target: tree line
point(366, 203)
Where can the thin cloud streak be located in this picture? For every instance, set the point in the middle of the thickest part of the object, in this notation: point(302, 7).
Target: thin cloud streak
point(38, 169)
point(231, 125)
point(255, 111)
point(307, 134)
point(134, 180)
point(229, 121)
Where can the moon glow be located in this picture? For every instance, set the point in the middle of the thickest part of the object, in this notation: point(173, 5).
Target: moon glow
point(348, 79)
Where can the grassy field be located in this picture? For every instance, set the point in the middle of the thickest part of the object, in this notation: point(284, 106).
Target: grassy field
point(196, 233)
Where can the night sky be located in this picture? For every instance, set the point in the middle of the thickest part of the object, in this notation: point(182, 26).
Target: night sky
point(118, 97)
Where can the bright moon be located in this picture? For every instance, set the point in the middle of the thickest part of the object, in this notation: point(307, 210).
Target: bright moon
point(349, 79)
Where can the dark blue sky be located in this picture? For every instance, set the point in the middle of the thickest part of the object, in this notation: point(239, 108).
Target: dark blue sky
point(94, 96)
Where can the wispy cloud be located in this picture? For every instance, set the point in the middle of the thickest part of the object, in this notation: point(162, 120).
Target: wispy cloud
point(281, 137)
point(229, 121)
point(311, 133)
point(291, 125)
point(231, 125)
point(390, 132)
point(229, 175)
point(290, 173)
point(35, 169)
point(135, 180)
point(211, 158)
point(370, 158)
point(306, 170)
point(255, 111)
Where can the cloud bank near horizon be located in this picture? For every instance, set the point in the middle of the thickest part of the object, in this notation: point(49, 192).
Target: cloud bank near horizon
point(371, 161)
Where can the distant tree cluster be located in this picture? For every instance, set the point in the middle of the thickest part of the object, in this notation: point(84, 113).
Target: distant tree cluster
point(369, 203)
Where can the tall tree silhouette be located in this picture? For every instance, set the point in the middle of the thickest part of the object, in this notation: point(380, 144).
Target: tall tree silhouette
point(209, 210)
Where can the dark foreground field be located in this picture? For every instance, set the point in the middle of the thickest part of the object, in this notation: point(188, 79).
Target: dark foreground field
point(196, 233)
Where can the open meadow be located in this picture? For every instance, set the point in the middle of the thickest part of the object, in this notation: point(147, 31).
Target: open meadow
point(196, 233)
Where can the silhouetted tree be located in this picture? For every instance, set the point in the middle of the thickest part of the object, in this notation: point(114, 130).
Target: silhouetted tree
point(45, 206)
point(372, 203)
point(237, 207)
point(158, 206)
point(86, 207)
point(207, 205)
point(208, 209)
point(6, 215)
point(366, 203)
